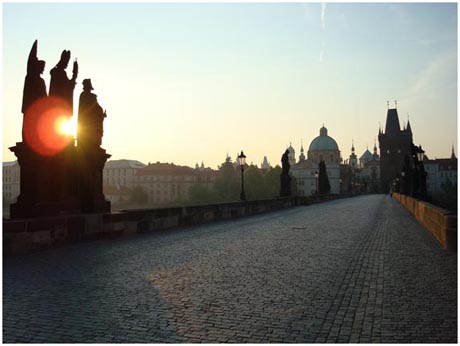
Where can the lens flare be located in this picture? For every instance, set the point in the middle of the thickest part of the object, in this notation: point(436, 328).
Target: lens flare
point(65, 125)
point(47, 126)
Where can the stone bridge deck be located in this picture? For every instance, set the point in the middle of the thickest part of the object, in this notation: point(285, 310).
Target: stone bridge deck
point(351, 270)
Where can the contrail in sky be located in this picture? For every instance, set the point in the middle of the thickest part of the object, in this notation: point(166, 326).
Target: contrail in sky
point(323, 14)
point(323, 25)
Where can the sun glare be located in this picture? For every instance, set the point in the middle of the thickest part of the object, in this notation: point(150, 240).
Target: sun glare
point(45, 126)
point(66, 126)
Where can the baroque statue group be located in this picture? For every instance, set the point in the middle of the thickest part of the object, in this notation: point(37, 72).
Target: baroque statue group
point(90, 113)
point(58, 174)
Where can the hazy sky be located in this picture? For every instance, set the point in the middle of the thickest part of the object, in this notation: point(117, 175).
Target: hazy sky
point(186, 83)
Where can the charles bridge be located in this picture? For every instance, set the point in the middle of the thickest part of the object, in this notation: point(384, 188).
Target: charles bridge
point(289, 269)
point(352, 270)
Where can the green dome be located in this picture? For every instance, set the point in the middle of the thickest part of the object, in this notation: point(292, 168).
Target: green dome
point(323, 142)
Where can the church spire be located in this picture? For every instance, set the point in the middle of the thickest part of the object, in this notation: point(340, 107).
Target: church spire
point(408, 128)
point(352, 146)
point(302, 155)
point(453, 157)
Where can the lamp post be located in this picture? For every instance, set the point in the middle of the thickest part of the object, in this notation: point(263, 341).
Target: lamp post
point(316, 176)
point(242, 162)
point(422, 179)
point(419, 175)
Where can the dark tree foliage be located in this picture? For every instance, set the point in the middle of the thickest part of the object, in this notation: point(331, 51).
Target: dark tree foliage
point(447, 197)
point(254, 184)
point(200, 194)
point(323, 180)
point(272, 182)
point(227, 186)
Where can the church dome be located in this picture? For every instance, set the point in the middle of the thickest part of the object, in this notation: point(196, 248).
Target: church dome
point(323, 142)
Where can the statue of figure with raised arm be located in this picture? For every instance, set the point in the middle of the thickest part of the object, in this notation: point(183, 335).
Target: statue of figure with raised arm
point(34, 85)
point(60, 85)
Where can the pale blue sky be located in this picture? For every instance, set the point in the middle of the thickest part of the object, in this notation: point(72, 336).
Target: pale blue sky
point(186, 83)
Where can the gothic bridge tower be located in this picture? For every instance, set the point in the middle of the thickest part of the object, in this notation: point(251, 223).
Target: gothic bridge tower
point(394, 144)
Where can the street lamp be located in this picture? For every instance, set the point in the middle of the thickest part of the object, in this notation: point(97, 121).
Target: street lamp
point(422, 179)
point(242, 162)
point(420, 153)
point(316, 176)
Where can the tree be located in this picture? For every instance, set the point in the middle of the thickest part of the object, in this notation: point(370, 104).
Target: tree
point(447, 197)
point(323, 181)
point(254, 184)
point(199, 193)
point(227, 186)
point(139, 195)
point(272, 182)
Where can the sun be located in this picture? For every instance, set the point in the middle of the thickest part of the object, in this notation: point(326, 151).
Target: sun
point(66, 126)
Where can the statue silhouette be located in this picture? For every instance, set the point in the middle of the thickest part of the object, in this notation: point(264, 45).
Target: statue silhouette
point(60, 85)
point(34, 85)
point(68, 181)
point(90, 118)
point(285, 178)
point(285, 162)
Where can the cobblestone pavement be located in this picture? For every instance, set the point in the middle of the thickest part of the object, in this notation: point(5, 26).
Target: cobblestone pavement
point(352, 270)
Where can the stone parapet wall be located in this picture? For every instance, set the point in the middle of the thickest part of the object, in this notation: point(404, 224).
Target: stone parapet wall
point(440, 222)
point(30, 235)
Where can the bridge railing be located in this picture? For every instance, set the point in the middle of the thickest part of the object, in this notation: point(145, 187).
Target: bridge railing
point(440, 222)
point(29, 235)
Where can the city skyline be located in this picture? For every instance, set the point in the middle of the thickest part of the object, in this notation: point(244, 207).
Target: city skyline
point(187, 83)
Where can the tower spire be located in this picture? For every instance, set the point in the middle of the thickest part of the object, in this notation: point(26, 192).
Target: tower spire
point(453, 157)
point(396, 104)
point(375, 149)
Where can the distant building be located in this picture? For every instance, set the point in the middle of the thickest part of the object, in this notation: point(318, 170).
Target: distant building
point(439, 171)
point(321, 148)
point(394, 145)
point(117, 194)
point(291, 155)
point(265, 165)
point(366, 177)
point(302, 155)
point(118, 173)
point(11, 180)
point(353, 160)
point(167, 183)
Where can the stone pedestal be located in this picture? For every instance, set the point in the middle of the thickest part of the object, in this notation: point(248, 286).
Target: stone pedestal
point(69, 182)
point(285, 185)
point(91, 163)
